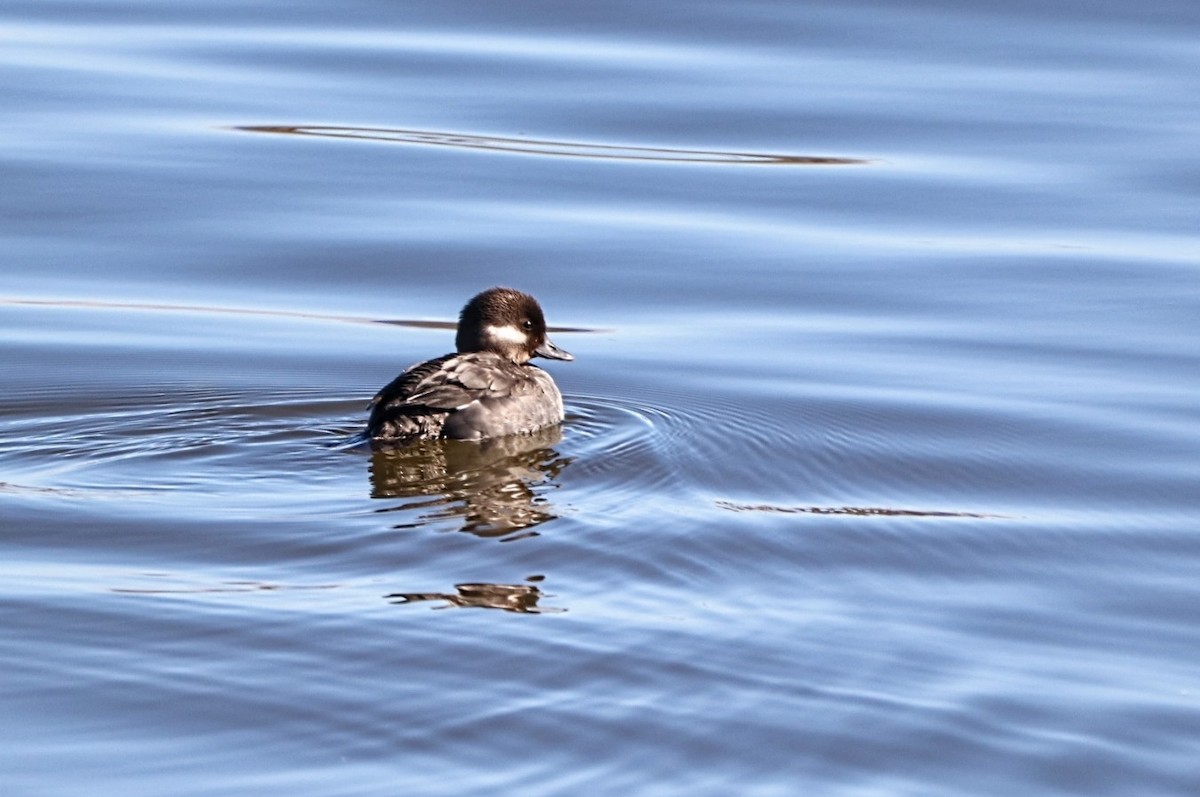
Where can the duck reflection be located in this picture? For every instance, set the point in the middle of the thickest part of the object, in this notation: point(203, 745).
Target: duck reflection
point(495, 488)
point(521, 598)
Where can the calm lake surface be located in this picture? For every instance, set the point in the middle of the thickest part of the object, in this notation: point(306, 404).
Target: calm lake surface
point(881, 471)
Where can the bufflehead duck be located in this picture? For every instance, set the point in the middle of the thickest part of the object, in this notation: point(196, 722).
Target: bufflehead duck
point(488, 388)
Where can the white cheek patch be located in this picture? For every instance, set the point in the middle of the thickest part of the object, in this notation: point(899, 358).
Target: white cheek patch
point(508, 334)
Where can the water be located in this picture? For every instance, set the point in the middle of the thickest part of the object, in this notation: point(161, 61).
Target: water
point(880, 472)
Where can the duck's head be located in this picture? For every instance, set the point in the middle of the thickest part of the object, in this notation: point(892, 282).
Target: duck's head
point(509, 323)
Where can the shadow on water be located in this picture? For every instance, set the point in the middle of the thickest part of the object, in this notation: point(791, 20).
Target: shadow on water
point(519, 598)
point(493, 488)
point(561, 149)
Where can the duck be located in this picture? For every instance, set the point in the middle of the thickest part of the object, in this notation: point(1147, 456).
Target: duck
point(486, 388)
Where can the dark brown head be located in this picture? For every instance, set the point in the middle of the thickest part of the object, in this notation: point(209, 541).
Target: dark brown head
point(509, 323)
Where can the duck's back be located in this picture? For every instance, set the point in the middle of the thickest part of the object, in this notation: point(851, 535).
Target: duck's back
point(395, 416)
point(466, 397)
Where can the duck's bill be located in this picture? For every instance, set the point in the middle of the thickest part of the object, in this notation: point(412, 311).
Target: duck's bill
point(552, 352)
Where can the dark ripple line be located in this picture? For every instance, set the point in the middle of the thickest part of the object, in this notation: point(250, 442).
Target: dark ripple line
point(226, 586)
point(561, 149)
point(251, 311)
point(859, 511)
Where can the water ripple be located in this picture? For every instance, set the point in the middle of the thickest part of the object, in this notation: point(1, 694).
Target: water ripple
point(162, 440)
point(626, 446)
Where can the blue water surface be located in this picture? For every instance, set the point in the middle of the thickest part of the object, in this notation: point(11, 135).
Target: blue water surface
point(881, 468)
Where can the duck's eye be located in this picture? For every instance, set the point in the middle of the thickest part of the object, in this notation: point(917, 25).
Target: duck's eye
point(527, 325)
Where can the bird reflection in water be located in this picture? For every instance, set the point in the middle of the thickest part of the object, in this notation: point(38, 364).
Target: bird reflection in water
point(494, 488)
point(520, 598)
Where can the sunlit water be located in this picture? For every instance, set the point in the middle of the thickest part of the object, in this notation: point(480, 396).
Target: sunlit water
point(881, 468)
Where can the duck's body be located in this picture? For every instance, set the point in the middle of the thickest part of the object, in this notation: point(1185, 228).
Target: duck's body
point(487, 388)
